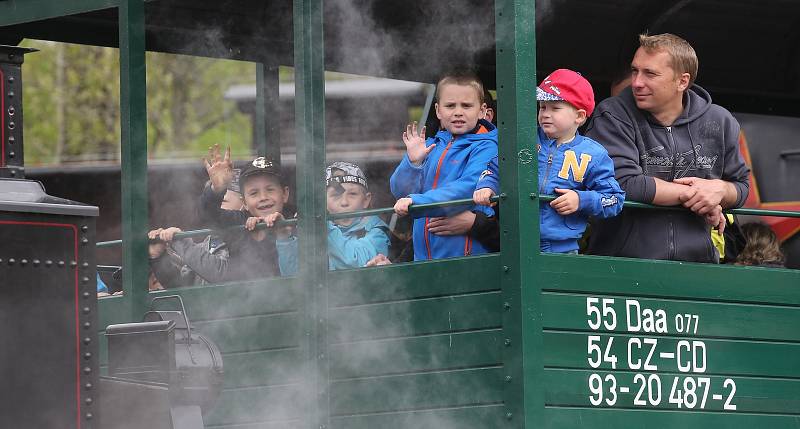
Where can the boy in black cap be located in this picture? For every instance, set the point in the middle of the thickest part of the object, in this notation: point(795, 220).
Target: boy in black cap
point(253, 254)
point(352, 242)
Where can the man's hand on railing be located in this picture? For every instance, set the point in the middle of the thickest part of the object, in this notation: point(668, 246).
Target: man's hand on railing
point(716, 219)
point(704, 195)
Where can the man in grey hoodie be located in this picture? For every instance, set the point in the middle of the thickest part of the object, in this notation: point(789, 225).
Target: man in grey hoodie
point(671, 146)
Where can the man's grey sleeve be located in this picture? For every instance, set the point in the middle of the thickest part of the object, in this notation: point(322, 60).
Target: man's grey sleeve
point(735, 170)
point(619, 139)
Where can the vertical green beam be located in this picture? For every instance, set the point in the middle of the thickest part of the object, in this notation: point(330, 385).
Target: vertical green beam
point(522, 313)
point(133, 119)
point(310, 119)
point(267, 131)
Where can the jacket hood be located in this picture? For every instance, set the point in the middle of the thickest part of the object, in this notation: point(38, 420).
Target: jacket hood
point(468, 138)
point(696, 101)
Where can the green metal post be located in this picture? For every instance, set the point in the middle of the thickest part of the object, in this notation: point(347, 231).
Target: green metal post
point(522, 313)
point(133, 113)
point(267, 131)
point(310, 140)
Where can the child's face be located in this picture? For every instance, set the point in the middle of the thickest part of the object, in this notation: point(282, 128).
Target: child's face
point(264, 195)
point(354, 197)
point(459, 108)
point(560, 120)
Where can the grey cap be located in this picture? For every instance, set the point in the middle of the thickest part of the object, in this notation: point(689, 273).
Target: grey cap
point(351, 174)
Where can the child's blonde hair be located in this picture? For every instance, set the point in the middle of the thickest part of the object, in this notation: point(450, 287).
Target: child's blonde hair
point(761, 246)
point(463, 79)
point(683, 59)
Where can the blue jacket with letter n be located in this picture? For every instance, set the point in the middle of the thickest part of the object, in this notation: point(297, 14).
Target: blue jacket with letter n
point(449, 172)
point(582, 165)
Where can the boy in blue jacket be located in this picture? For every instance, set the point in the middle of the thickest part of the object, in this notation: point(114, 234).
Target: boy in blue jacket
point(447, 166)
point(352, 242)
point(575, 167)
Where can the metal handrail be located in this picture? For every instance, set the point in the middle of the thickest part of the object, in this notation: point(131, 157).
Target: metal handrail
point(462, 202)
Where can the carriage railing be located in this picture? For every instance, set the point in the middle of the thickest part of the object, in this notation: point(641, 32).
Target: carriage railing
point(461, 202)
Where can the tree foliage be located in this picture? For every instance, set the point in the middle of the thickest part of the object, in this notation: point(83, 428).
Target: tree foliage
point(72, 104)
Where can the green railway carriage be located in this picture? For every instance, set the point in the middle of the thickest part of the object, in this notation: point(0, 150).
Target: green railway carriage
point(516, 339)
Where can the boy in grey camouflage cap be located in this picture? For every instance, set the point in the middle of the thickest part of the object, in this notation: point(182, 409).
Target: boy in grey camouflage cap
point(352, 242)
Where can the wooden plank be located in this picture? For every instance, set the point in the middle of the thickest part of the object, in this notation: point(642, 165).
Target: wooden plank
point(478, 417)
point(579, 418)
point(394, 282)
point(741, 321)
point(417, 317)
point(672, 391)
point(253, 333)
point(257, 405)
point(236, 299)
point(404, 355)
point(420, 391)
point(263, 368)
point(635, 277)
point(745, 358)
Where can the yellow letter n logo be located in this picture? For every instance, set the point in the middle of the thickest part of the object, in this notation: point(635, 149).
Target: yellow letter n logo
point(571, 164)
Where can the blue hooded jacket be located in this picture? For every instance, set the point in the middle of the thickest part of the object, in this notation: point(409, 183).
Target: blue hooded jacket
point(582, 165)
point(350, 246)
point(449, 172)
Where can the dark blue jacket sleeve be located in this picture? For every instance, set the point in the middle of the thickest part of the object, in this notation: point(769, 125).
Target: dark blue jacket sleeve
point(490, 178)
point(211, 214)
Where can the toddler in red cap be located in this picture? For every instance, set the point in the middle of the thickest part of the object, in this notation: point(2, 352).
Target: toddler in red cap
point(575, 168)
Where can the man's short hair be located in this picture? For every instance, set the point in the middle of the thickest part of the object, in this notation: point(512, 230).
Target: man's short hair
point(682, 55)
point(461, 78)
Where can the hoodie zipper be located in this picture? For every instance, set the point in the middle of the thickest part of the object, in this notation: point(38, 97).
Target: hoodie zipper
point(543, 186)
point(433, 186)
point(670, 226)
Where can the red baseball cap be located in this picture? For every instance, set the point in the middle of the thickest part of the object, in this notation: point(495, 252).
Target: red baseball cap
point(567, 85)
